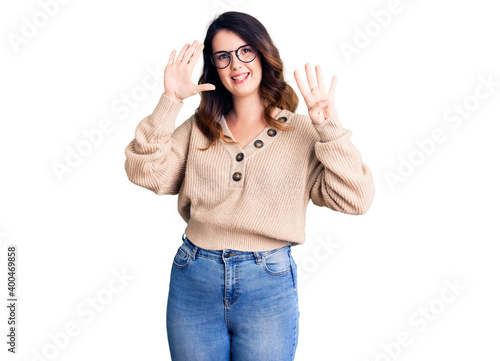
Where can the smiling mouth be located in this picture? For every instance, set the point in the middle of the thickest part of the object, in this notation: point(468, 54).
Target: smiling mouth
point(240, 78)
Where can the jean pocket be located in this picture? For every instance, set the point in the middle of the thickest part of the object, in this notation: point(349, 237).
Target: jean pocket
point(182, 257)
point(277, 263)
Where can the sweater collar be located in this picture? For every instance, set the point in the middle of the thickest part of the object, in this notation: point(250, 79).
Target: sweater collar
point(263, 140)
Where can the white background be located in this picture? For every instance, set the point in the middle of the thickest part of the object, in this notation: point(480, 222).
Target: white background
point(363, 279)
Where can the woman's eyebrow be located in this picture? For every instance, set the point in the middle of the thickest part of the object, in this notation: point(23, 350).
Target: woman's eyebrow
point(239, 46)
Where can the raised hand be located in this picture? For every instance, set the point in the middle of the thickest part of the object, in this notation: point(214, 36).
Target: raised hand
point(177, 74)
point(319, 103)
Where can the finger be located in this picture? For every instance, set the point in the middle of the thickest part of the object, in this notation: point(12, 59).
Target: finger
point(196, 55)
point(310, 77)
point(171, 59)
point(190, 51)
point(300, 84)
point(181, 53)
point(319, 75)
point(333, 85)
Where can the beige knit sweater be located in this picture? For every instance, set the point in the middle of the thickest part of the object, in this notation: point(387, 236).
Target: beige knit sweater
point(255, 198)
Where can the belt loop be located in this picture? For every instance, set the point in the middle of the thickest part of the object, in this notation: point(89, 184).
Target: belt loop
point(193, 252)
point(257, 256)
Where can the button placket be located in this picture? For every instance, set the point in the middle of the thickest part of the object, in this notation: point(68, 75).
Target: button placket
point(240, 155)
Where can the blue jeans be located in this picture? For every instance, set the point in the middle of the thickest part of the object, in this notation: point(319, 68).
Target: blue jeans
point(232, 305)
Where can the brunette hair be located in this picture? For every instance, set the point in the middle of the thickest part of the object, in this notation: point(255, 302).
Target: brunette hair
point(273, 88)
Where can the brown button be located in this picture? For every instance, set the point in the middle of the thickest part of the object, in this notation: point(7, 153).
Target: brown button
point(271, 132)
point(284, 119)
point(258, 143)
point(240, 156)
point(237, 176)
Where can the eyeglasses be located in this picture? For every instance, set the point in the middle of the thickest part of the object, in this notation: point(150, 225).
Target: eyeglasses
point(246, 54)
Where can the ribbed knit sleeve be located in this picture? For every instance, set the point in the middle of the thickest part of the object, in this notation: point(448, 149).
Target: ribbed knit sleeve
point(341, 181)
point(156, 158)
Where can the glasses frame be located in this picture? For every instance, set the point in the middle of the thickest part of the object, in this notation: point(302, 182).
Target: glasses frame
point(231, 56)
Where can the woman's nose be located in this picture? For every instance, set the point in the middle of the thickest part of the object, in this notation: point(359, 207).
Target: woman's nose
point(235, 62)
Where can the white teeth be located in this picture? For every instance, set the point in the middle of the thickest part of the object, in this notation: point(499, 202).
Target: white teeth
point(240, 77)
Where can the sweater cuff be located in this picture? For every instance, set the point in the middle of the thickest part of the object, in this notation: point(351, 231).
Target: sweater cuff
point(165, 106)
point(330, 129)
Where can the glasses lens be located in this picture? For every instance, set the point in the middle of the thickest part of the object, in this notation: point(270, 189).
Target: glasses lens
point(247, 53)
point(221, 59)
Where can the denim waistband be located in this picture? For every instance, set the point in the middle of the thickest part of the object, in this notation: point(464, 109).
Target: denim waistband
point(229, 253)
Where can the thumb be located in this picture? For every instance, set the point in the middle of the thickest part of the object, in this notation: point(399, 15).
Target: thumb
point(205, 87)
point(316, 107)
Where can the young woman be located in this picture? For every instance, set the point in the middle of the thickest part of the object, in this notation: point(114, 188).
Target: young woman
point(245, 167)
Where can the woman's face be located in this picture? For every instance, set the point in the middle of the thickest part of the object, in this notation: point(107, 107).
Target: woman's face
point(227, 40)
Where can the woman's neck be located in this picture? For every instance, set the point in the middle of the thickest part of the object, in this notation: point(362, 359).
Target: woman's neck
point(248, 111)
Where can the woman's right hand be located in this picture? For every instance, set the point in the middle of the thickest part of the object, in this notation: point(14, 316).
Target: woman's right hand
point(177, 74)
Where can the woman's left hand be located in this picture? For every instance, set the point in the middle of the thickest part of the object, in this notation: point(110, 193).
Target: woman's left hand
point(319, 110)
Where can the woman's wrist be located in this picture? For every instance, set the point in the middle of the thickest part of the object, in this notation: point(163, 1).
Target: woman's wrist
point(173, 97)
